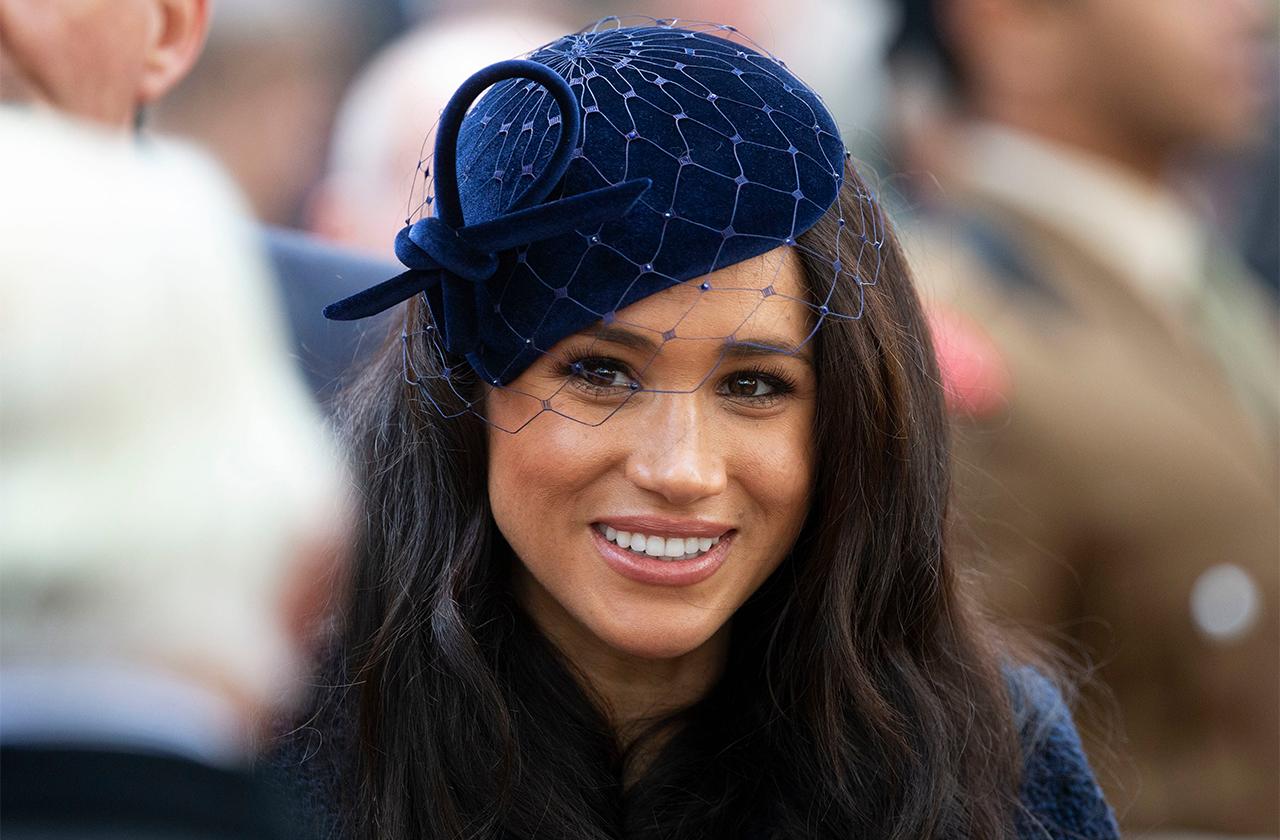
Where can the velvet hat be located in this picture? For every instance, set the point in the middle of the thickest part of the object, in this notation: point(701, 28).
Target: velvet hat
point(610, 165)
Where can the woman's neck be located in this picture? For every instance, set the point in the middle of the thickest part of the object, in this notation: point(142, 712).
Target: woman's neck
point(635, 690)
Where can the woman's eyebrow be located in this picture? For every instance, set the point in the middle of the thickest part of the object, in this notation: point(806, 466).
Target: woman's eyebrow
point(741, 348)
point(626, 338)
point(733, 348)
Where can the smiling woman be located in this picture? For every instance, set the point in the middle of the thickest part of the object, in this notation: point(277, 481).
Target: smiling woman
point(656, 492)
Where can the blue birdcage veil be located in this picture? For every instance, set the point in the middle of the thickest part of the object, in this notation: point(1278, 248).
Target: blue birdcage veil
point(613, 164)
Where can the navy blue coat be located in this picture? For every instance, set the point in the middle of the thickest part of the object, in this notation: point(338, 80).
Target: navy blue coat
point(1060, 798)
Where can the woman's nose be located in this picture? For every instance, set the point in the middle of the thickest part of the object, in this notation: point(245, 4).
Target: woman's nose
point(675, 454)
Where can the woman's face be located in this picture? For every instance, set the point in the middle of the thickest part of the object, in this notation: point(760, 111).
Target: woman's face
point(647, 531)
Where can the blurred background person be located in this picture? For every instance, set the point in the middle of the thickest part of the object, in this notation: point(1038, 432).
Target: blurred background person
point(263, 94)
point(172, 513)
point(267, 80)
point(384, 124)
point(1113, 368)
point(102, 60)
point(261, 99)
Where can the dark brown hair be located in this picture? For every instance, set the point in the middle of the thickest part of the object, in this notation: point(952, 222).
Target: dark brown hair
point(862, 698)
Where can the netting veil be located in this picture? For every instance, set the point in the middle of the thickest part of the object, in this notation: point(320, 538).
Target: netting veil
point(608, 166)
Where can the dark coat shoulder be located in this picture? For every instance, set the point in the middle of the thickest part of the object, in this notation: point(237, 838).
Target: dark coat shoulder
point(1060, 798)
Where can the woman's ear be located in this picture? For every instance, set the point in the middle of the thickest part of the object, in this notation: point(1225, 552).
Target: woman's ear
point(178, 30)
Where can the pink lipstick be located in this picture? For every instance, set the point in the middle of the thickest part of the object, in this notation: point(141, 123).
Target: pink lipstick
point(685, 569)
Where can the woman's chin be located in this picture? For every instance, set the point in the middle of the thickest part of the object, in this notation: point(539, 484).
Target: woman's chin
point(656, 638)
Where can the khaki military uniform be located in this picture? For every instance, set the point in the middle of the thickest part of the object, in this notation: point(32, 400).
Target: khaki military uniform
point(1117, 483)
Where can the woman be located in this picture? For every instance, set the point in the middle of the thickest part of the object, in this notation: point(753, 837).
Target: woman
point(656, 478)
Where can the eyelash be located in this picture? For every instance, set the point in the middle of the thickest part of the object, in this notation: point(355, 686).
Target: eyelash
point(574, 367)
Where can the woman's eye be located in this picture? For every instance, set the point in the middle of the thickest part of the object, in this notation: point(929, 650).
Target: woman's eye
point(602, 373)
point(749, 386)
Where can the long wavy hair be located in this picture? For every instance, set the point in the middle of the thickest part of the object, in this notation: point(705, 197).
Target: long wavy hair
point(862, 696)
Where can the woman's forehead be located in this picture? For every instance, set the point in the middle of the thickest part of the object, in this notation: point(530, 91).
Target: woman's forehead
point(762, 298)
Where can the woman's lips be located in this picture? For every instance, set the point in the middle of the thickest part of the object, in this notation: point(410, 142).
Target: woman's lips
point(667, 526)
point(662, 571)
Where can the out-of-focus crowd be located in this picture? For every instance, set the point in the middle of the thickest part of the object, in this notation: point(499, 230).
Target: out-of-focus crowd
point(1089, 193)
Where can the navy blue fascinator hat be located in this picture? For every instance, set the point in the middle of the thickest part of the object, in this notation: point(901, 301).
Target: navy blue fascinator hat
point(610, 165)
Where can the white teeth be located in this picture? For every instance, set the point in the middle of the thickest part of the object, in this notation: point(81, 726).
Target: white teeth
point(667, 548)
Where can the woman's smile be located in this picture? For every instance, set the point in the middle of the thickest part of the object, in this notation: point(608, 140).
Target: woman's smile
point(667, 552)
point(668, 548)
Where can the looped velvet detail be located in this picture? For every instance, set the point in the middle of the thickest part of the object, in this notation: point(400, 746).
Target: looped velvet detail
point(451, 260)
point(430, 244)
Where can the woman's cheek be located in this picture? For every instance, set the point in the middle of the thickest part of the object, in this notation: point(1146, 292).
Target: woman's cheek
point(539, 475)
point(778, 467)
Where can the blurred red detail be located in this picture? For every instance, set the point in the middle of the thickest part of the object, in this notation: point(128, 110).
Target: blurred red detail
point(975, 380)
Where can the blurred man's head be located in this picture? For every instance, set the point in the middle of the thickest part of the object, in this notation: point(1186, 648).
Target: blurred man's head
point(169, 500)
point(101, 60)
point(383, 128)
point(1166, 74)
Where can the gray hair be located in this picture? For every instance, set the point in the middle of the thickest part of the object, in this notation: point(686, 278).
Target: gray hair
point(161, 464)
